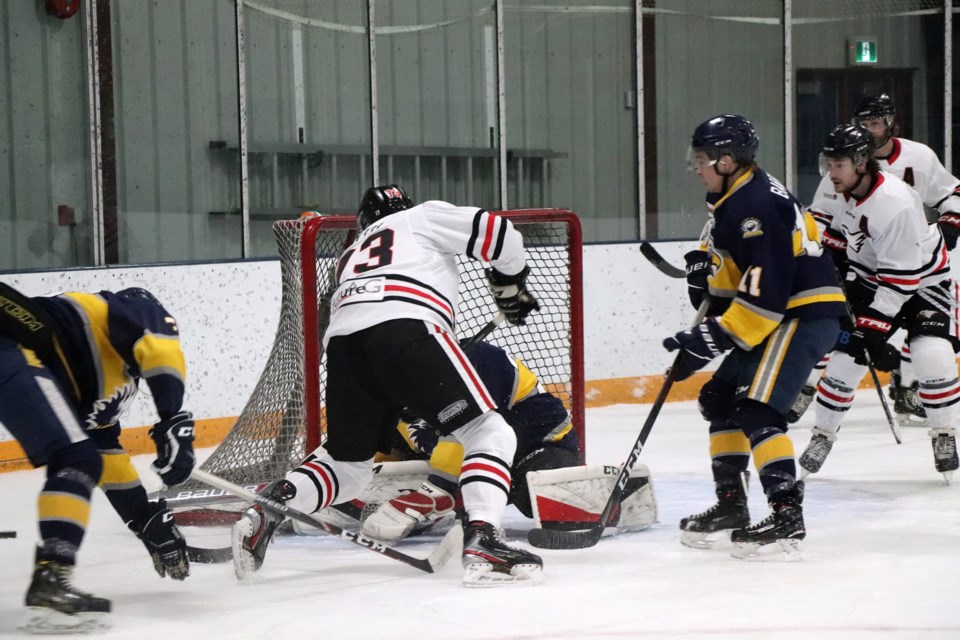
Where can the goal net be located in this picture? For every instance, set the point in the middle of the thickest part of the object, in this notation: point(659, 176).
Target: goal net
point(284, 419)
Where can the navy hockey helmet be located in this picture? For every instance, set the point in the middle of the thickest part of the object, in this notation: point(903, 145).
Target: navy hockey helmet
point(879, 106)
point(138, 293)
point(726, 134)
point(379, 202)
point(847, 141)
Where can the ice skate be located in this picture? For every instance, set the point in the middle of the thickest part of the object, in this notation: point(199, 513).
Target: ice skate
point(56, 606)
point(776, 537)
point(409, 513)
point(821, 442)
point(945, 459)
point(254, 531)
point(730, 512)
point(907, 407)
point(489, 562)
point(804, 398)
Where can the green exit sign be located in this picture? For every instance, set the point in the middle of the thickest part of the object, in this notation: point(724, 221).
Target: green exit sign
point(862, 50)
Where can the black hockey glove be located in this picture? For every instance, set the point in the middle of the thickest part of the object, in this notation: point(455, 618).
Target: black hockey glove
point(698, 268)
point(699, 346)
point(163, 541)
point(869, 339)
point(174, 439)
point(511, 295)
point(949, 224)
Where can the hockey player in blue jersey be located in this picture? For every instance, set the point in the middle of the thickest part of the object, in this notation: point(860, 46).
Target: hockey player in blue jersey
point(775, 310)
point(69, 365)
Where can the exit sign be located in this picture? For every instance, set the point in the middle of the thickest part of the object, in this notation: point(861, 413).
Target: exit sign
point(862, 50)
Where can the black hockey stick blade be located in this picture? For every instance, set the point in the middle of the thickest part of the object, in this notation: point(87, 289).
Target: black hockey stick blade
point(660, 262)
point(203, 555)
point(451, 542)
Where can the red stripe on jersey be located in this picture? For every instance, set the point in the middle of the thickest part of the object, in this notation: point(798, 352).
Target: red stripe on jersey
point(458, 352)
point(421, 294)
point(487, 241)
point(479, 466)
point(906, 281)
point(834, 397)
point(876, 184)
point(327, 482)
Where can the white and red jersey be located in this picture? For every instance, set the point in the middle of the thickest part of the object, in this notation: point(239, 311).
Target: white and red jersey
point(913, 162)
point(916, 164)
point(404, 266)
point(888, 242)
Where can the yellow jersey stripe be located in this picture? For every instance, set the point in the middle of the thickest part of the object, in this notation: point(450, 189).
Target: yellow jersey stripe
point(158, 355)
point(447, 457)
point(118, 472)
point(746, 326)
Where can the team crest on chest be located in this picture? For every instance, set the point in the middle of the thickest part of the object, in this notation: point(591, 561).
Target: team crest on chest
point(750, 227)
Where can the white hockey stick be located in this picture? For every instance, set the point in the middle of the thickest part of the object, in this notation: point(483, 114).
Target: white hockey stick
point(450, 543)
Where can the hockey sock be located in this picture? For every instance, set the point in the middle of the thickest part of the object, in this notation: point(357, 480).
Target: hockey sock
point(729, 450)
point(836, 390)
point(817, 372)
point(489, 445)
point(322, 481)
point(64, 503)
point(937, 372)
point(772, 448)
point(121, 484)
point(908, 373)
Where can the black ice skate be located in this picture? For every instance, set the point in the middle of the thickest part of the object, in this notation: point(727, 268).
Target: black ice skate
point(821, 442)
point(489, 562)
point(906, 403)
point(804, 398)
point(944, 443)
point(255, 528)
point(784, 527)
point(56, 606)
point(730, 512)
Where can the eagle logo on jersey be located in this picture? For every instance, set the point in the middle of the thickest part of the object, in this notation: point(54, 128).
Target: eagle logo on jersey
point(751, 228)
point(854, 238)
point(106, 411)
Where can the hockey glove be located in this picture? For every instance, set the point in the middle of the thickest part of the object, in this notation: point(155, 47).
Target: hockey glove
point(163, 541)
point(699, 346)
point(869, 340)
point(174, 439)
point(511, 295)
point(698, 268)
point(949, 224)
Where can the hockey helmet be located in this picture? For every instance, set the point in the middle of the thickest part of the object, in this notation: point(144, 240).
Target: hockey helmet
point(726, 134)
point(379, 202)
point(847, 141)
point(879, 106)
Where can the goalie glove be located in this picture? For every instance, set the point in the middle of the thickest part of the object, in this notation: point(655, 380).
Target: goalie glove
point(174, 439)
point(511, 295)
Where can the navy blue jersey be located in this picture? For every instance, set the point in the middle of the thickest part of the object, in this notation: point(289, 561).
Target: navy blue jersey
point(759, 246)
point(108, 342)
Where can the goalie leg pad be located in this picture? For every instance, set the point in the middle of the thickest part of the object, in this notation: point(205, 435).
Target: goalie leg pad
point(573, 498)
point(396, 519)
point(540, 459)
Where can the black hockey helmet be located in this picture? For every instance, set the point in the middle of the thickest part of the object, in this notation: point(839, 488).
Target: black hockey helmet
point(726, 134)
point(847, 141)
point(379, 202)
point(879, 106)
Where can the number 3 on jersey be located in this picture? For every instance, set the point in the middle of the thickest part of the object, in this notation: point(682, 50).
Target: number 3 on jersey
point(750, 282)
point(379, 248)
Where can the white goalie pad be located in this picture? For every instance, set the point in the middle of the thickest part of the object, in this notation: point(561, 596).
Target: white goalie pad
point(574, 497)
point(390, 479)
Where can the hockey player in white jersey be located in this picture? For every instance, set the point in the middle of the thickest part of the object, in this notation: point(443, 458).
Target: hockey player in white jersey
point(898, 275)
point(916, 164)
point(390, 344)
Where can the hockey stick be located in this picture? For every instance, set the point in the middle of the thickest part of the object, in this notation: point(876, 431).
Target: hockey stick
point(485, 331)
point(447, 547)
point(556, 539)
point(660, 262)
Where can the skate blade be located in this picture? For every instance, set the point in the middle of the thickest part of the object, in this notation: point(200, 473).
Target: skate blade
point(243, 564)
point(700, 540)
point(910, 420)
point(480, 575)
point(44, 621)
point(779, 551)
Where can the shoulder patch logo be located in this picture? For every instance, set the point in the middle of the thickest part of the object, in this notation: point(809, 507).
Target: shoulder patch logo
point(751, 228)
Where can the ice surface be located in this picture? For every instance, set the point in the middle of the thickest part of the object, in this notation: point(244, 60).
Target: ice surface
point(882, 560)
